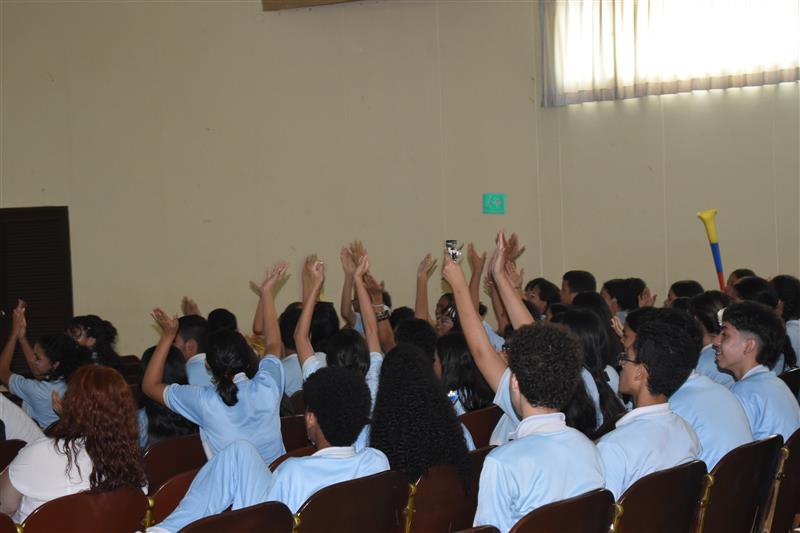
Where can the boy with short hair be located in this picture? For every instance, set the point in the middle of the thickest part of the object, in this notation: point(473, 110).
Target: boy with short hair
point(751, 341)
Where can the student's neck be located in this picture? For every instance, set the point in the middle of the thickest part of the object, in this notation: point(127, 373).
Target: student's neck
point(739, 371)
point(645, 399)
point(530, 410)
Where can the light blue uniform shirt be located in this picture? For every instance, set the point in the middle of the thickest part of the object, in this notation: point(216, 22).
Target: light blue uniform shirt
point(237, 477)
point(144, 424)
point(546, 462)
point(37, 397)
point(495, 340)
point(768, 403)
point(508, 423)
point(254, 418)
point(707, 366)
point(715, 416)
point(793, 332)
point(196, 371)
point(780, 366)
point(293, 374)
point(646, 440)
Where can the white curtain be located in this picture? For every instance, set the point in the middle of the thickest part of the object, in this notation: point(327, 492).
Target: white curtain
point(615, 49)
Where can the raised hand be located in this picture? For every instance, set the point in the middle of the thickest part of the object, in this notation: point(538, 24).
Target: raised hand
point(317, 271)
point(513, 276)
point(426, 267)
point(451, 272)
point(647, 299)
point(513, 249)
point(348, 261)
point(308, 265)
point(168, 324)
point(499, 257)
point(475, 260)
point(616, 325)
point(374, 288)
point(274, 275)
point(357, 250)
point(189, 306)
point(19, 324)
point(488, 285)
point(362, 268)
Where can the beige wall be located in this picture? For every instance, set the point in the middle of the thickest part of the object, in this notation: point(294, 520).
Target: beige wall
point(195, 142)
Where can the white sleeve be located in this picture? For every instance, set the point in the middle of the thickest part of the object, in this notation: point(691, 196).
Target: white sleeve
point(18, 424)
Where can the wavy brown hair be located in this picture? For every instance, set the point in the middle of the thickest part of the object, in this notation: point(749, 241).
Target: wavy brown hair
point(98, 413)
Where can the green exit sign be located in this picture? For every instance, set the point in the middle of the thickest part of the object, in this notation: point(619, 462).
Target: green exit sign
point(494, 204)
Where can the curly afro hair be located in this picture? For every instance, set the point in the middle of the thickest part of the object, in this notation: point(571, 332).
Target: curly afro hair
point(670, 354)
point(546, 360)
point(762, 322)
point(414, 423)
point(340, 400)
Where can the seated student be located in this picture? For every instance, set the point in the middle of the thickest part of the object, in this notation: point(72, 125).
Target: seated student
point(710, 408)
point(191, 341)
point(594, 302)
point(755, 289)
point(291, 364)
point(751, 339)
point(787, 289)
point(735, 276)
point(98, 336)
point(600, 380)
point(414, 423)
point(347, 347)
point(156, 422)
point(575, 282)
point(52, 360)
point(685, 288)
point(16, 423)
point(461, 379)
point(244, 402)
point(542, 294)
point(651, 437)
point(634, 293)
point(337, 409)
point(705, 308)
point(98, 452)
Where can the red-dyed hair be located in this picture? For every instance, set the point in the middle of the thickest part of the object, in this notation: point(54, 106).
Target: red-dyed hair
point(99, 413)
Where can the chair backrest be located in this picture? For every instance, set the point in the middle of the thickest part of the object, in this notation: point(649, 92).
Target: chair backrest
point(8, 450)
point(293, 431)
point(167, 497)
point(298, 452)
point(172, 456)
point(792, 379)
point(481, 423)
point(785, 509)
point(737, 488)
point(438, 502)
point(480, 529)
point(119, 511)
point(6, 524)
point(587, 513)
point(298, 402)
point(267, 517)
point(372, 504)
point(664, 501)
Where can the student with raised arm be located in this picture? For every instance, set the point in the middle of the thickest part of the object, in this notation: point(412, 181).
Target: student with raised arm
point(347, 347)
point(547, 461)
point(244, 402)
point(52, 360)
point(337, 408)
point(346, 307)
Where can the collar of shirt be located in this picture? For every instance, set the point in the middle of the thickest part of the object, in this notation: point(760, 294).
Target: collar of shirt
point(657, 409)
point(241, 376)
point(550, 423)
point(195, 357)
point(706, 347)
point(337, 452)
point(693, 375)
point(758, 369)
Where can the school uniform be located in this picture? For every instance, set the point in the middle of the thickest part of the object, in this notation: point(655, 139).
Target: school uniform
point(495, 340)
point(768, 403)
point(707, 366)
point(37, 397)
point(17, 424)
point(546, 461)
point(318, 360)
point(144, 426)
point(238, 477)
point(293, 374)
point(255, 417)
point(646, 440)
point(508, 423)
point(714, 413)
point(196, 371)
point(793, 332)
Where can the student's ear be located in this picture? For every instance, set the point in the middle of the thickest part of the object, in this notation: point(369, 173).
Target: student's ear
point(191, 347)
point(56, 399)
point(311, 426)
point(751, 346)
point(779, 308)
point(514, 383)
